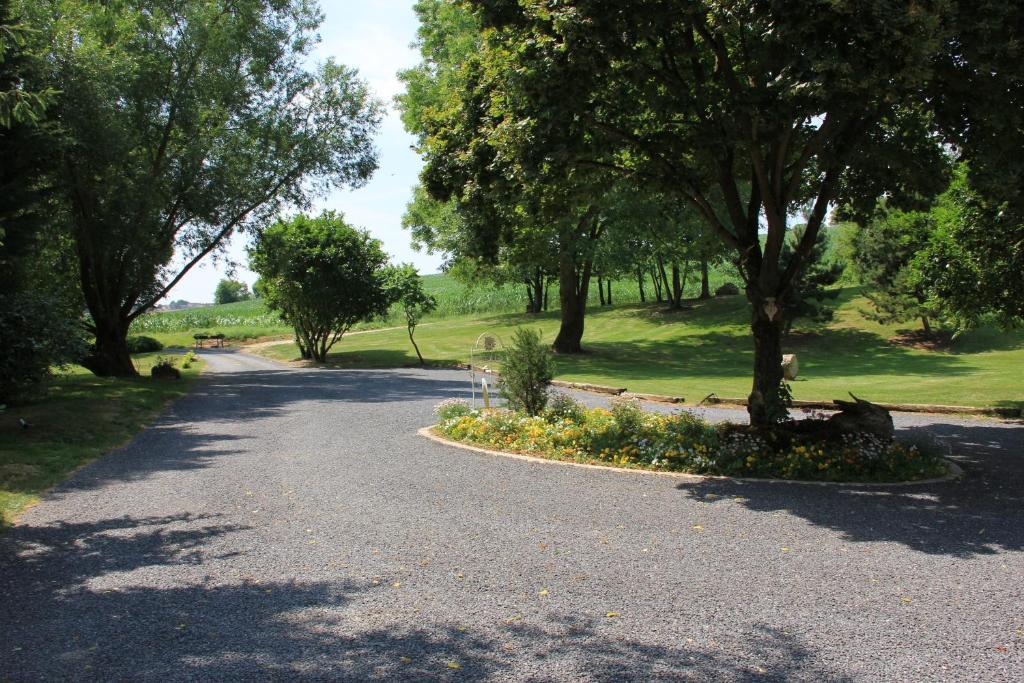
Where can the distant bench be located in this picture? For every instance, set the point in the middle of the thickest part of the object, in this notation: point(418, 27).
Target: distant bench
point(215, 339)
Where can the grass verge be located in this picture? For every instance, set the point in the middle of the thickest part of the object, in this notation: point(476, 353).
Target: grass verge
point(79, 418)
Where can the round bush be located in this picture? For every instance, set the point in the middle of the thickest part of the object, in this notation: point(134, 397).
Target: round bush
point(562, 406)
point(142, 344)
point(452, 408)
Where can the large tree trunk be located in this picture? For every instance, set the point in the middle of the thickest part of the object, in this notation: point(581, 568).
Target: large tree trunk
point(574, 281)
point(111, 358)
point(705, 287)
point(766, 405)
point(573, 286)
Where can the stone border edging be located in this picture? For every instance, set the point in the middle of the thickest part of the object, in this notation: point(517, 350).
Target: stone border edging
point(592, 388)
point(955, 471)
point(925, 408)
point(712, 400)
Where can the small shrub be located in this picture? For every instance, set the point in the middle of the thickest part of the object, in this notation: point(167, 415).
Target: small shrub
point(562, 406)
point(451, 408)
point(187, 360)
point(164, 369)
point(628, 416)
point(527, 372)
point(143, 344)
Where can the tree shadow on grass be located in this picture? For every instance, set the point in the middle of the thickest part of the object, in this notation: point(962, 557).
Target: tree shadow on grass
point(73, 610)
point(837, 353)
point(983, 514)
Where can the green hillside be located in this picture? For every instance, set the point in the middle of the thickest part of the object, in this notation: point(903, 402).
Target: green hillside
point(707, 349)
point(692, 353)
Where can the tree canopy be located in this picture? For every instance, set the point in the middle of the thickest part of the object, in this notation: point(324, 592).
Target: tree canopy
point(183, 123)
point(323, 276)
point(229, 291)
point(706, 101)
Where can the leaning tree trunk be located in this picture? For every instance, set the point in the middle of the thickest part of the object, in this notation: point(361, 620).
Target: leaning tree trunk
point(766, 405)
point(304, 352)
point(656, 280)
point(665, 285)
point(412, 329)
point(572, 295)
point(110, 357)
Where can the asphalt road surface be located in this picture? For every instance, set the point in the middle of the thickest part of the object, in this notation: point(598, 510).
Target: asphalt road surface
point(283, 524)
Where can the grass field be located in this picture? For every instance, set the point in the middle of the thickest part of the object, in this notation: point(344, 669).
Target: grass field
point(251, 319)
point(80, 417)
point(707, 349)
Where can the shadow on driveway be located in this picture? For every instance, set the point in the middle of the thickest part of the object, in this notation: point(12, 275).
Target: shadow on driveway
point(71, 628)
point(982, 514)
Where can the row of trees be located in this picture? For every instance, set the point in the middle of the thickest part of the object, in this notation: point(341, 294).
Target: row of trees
point(552, 128)
point(133, 131)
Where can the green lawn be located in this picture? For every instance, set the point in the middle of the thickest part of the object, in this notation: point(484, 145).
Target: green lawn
point(80, 417)
point(251, 319)
point(708, 350)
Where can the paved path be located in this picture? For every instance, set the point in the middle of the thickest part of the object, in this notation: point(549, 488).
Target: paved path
point(289, 524)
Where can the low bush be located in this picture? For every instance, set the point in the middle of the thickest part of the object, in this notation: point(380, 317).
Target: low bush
point(626, 436)
point(34, 340)
point(451, 409)
point(629, 419)
point(164, 369)
point(562, 406)
point(143, 344)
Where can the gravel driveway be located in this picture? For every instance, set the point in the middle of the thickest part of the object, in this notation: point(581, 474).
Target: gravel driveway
point(289, 524)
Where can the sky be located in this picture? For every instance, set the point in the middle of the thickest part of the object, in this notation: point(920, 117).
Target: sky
point(374, 36)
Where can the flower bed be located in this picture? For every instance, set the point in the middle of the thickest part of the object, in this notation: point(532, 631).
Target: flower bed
point(626, 436)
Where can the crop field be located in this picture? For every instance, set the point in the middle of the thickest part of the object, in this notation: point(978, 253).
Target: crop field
point(251, 319)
